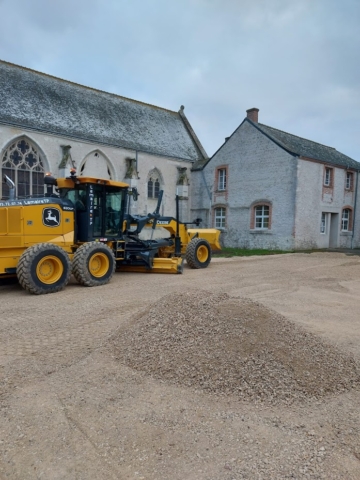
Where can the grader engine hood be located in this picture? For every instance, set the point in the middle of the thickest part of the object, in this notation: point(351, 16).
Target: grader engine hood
point(26, 222)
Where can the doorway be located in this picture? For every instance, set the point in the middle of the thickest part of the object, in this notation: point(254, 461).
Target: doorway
point(334, 230)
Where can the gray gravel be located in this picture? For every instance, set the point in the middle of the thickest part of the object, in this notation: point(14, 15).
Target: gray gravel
point(226, 345)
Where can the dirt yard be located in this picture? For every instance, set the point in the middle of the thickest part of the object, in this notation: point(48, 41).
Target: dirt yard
point(249, 369)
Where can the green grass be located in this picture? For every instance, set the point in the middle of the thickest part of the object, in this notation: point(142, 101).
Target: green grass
point(244, 252)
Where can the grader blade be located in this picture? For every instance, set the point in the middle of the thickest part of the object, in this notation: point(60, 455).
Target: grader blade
point(160, 265)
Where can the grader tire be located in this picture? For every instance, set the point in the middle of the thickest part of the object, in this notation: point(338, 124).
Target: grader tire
point(198, 253)
point(44, 268)
point(93, 264)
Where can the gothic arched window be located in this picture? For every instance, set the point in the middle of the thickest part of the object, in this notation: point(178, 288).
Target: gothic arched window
point(153, 184)
point(23, 164)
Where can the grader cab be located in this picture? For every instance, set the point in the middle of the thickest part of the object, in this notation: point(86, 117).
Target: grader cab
point(82, 226)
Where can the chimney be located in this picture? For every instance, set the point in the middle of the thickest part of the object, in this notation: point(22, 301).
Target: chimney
point(253, 114)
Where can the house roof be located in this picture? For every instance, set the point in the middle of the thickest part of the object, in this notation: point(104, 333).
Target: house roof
point(36, 101)
point(296, 146)
point(307, 148)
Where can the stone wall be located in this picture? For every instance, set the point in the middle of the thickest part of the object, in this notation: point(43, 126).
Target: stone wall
point(313, 199)
point(258, 172)
point(106, 161)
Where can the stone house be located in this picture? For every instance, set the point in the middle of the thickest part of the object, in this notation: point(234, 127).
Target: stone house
point(51, 125)
point(265, 188)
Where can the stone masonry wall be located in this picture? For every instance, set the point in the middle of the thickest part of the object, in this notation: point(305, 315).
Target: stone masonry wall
point(258, 171)
point(313, 199)
point(103, 158)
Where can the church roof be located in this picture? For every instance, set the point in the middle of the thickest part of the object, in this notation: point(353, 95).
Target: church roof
point(36, 101)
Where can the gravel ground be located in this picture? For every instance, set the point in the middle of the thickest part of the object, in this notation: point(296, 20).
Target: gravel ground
point(246, 370)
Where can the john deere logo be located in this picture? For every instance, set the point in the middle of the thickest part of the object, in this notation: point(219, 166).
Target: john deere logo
point(51, 217)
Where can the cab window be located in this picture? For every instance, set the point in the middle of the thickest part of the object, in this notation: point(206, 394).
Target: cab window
point(113, 212)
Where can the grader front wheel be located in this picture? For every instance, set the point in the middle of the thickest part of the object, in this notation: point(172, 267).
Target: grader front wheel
point(44, 268)
point(93, 264)
point(198, 253)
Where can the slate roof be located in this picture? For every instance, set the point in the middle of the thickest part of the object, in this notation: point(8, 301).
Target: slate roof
point(36, 101)
point(297, 146)
point(306, 148)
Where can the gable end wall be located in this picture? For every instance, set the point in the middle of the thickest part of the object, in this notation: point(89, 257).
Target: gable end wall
point(257, 170)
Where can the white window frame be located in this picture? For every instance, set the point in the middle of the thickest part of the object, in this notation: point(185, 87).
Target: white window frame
point(323, 223)
point(345, 220)
point(221, 179)
point(220, 217)
point(327, 177)
point(262, 216)
point(349, 180)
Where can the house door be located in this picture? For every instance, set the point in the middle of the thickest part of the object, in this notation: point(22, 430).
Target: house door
point(334, 230)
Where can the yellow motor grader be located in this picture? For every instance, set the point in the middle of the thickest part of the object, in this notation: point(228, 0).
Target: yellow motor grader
point(83, 226)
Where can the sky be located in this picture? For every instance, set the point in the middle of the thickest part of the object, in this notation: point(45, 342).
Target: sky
point(297, 61)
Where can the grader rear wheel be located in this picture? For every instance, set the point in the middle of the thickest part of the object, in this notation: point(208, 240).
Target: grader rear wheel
point(93, 264)
point(44, 268)
point(198, 253)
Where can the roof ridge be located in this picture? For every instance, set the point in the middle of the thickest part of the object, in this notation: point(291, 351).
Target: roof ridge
point(297, 136)
point(87, 87)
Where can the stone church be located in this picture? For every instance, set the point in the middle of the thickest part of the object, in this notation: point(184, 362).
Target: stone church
point(51, 125)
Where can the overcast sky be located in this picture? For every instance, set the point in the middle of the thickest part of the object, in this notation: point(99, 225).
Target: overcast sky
point(298, 61)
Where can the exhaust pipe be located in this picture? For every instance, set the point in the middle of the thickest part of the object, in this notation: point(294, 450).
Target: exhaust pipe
point(11, 186)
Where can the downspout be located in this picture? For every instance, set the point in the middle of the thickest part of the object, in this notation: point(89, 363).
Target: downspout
point(354, 214)
point(209, 194)
point(136, 208)
point(295, 201)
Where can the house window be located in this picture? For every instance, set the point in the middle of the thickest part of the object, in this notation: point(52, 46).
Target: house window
point(220, 217)
point(153, 188)
point(323, 223)
point(262, 216)
point(328, 177)
point(349, 181)
point(23, 164)
point(221, 179)
point(346, 220)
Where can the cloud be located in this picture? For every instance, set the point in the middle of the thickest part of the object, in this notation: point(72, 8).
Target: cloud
point(296, 61)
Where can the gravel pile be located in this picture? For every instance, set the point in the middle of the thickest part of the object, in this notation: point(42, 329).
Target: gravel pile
point(225, 345)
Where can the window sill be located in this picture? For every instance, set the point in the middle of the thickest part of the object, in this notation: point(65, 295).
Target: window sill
point(345, 233)
point(261, 231)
